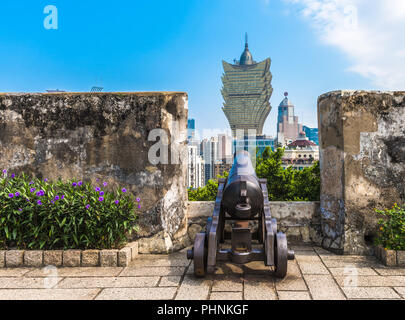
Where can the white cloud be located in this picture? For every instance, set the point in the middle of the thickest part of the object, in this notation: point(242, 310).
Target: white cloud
point(370, 33)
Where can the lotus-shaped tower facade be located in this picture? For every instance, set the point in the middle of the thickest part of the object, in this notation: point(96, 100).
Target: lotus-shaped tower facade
point(246, 91)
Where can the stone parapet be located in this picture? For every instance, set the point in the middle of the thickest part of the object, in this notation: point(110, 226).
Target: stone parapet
point(362, 162)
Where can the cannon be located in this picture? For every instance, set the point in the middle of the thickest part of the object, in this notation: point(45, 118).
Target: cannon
point(242, 202)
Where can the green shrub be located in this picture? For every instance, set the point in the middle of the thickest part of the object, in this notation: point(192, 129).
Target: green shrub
point(37, 214)
point(391, 232)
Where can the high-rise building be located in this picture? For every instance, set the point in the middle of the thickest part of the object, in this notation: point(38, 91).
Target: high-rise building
point(225, 147)
point(246, 91)
point(190, 129)
point(288, 128)
point(312, 134)
point(256, 144)
point(209, 149)
point(195, 169)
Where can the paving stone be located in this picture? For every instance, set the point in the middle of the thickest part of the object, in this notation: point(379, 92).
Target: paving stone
point(352, 271)
point(323, 287)
point(152, 271)
point(48, 294)
point(302, 248)
point(159, 261)
point(370, 293)
point(109, 282)
point(291, 283)
point(53, 257)
point(158, 293)
point(14, 258)
point(2, 258)
point(322, 251)
point(310, 263)
point(293, 295)
point(33, 258)
point(226, 296)
point(401, 291)
point(170, 281)
point(24, 283)
point(193, 288)
point(227, 284)
point(78, 272)
point(108, 258)
point(71, 258)
point(14, 272)
point(90, 258)
point(256, 267)
point(256, 288)
point(350, 261)
point(124, 257)
point(371, 281)
point(386, 271)
point(229, 269)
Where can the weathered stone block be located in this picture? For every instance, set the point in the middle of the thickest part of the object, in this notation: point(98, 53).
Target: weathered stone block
point(57, 135)
point(14, 258)
point(33, 258)
point(71, 258)
point(108, 258)
point(389, 257)
point(2, 258)
point(124, 257)
point(362, 139)
point(401, 258)
point(90, 258)
point(53, 258)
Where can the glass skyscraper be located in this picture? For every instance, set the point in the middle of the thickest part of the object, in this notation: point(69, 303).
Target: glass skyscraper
point(246, 91)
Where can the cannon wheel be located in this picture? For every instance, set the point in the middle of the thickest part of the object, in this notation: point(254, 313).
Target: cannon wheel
point(281, 255)
point(200, 255)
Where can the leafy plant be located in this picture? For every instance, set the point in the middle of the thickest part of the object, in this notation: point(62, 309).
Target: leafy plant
point(39, 214)
point(391, 232)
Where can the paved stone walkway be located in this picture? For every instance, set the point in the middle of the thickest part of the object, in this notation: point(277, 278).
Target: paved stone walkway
point(314, 274)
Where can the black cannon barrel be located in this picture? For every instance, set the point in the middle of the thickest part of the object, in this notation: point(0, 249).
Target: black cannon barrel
point(242, 196)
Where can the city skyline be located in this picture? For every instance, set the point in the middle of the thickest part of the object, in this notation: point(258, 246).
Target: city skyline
point(314, 48)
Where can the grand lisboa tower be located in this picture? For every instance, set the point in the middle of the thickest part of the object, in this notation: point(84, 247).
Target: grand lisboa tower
point(246, 92)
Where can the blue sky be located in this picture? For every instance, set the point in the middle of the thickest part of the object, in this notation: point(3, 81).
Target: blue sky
point(178, 45)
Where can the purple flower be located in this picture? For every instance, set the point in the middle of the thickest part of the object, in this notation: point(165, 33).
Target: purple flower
point(40, 193)
point(117, 201)
point(79, 183)
point(39, 202)
point(62, 196)
point(10, 195)
point(104, 184)
point(101, 193)
point(31, 182)
point(100, 199)
point(45, 179)
point(124, 190)
point(138, 199)
point(53, 202)
point(139, 206)
point(17, 194)
point(97, 189)
point(88, 207)
point(13, 175)
point(20, 209)
point(4, 171)
point(56, 197)
point(74, 184)
point(28, 200)
point(32, 189)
